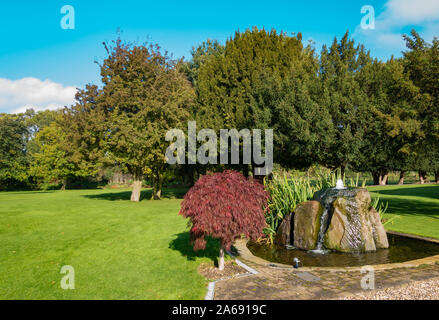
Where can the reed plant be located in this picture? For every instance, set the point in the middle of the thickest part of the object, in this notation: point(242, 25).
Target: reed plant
point(286, 193)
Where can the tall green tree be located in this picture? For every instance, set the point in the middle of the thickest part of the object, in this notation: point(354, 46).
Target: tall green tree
point(52, 164)
point(421, 61)
point(200, 55)
point(144, 94)
point(35, 122)
point(13, 154)
point(266, 80)
point(391, 124)
point(85, 126)
point(341, 94)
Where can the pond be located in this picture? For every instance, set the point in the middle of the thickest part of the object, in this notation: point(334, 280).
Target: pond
point(401, 249)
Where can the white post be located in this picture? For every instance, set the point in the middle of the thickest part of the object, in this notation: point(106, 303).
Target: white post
point(221, 260)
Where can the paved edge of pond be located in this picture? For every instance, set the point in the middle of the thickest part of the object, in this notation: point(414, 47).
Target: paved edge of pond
point(245, 255)
point(210, 295)
point(283, 282)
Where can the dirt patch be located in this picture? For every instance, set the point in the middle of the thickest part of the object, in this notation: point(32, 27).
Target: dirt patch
point(212, 273)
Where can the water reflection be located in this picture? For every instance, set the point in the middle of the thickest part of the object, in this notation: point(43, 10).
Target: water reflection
point(400, 249)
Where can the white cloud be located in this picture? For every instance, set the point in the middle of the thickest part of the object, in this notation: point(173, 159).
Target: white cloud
point(403, 12)
point(423, 15)
point(18, 95)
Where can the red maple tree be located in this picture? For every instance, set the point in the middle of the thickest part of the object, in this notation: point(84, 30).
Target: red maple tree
point(225, 206)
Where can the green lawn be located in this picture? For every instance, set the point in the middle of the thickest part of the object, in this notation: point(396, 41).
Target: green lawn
point(118, 249)
point(416, 205)
point(125, 250)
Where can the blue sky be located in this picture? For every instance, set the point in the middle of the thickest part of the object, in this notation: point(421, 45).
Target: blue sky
point(41, 64)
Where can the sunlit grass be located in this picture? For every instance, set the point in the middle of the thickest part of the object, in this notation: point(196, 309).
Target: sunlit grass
point(118, 249)
point(416, 205)
point(125, 250)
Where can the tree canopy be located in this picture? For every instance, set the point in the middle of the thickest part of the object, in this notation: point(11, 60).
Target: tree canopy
point(339, 108)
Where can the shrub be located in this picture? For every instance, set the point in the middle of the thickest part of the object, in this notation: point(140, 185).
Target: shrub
point(225, 206)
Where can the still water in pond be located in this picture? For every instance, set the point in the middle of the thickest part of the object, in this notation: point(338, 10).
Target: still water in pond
point(401, 249)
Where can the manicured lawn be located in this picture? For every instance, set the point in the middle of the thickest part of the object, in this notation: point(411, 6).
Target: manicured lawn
point(125, 250)
point(118, 249)
point(417, 206)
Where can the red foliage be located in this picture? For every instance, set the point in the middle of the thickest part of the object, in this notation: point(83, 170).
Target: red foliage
point(225, 206)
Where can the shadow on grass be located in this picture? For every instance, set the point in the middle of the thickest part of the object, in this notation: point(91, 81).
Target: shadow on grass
point(170, 193)
point(410, 207)
point(182, 244)
point(26, 192)
point(431, 191)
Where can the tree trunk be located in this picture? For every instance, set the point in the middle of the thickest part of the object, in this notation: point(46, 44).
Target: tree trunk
point(137, 189)
point(422, 176)
point(380, 178)
point(192, 175)
point(157, 182)
point(401, 177)
point(64, 184)
point(436, 176)
point(255, 176)
point(246, 170)
point(376, 178)
point(342, 171)
point(221, 259)
point(383, 178)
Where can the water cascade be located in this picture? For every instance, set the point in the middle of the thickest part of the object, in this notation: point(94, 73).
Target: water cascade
point(326, 198)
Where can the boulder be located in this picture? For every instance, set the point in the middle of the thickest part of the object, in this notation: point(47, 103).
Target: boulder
point(283, 234)
point(379, 233)
point(337, 219)
point(307, 217)
point(353, 226)
point(335, 234)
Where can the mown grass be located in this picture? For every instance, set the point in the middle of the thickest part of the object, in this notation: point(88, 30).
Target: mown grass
point(416, 205)
point(125, 250)
point(118, 249)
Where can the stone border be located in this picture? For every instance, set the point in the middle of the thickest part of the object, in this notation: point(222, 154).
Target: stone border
point(245, 254)
point(210, 295)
